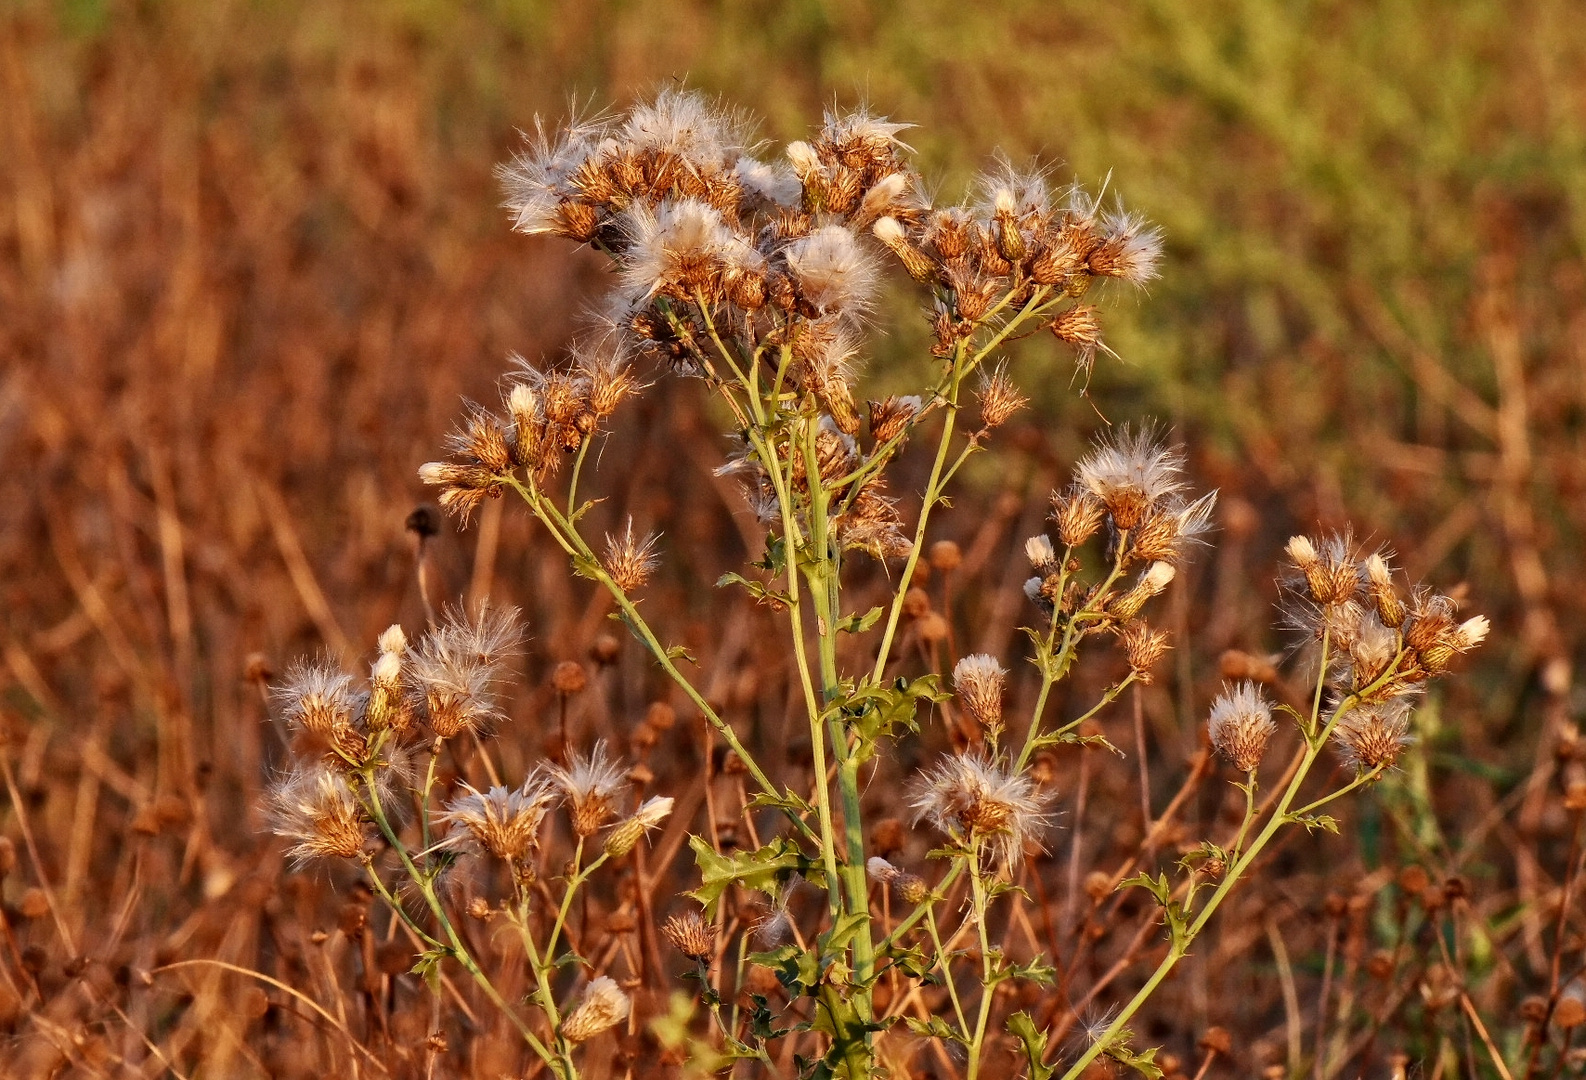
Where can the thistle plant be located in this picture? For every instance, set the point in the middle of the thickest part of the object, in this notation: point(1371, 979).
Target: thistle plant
point(366, 786)
point(757, 276)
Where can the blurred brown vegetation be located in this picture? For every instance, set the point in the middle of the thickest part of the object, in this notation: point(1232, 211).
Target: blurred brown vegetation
point(251, 258)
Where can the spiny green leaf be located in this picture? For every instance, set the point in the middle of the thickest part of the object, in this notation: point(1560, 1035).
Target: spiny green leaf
point(1021, 1027)
point(766, 869)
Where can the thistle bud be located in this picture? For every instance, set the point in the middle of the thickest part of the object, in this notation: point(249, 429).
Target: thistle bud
point(1240, 725)
point(1042, 556)
point(602, 1007)
point(894, 239)
point(1077, 515)
point(691, 935)
point(1152, 582)
point(1390, 608)
point(979, 681)
point(626, 836)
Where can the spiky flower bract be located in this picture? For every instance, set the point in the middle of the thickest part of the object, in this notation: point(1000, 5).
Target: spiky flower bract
point(971, 797)
point(1131, 473)
point(590, 783)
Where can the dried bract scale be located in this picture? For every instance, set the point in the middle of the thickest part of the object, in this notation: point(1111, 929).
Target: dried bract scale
point(602, 1007)
point(1143, 647)
point(318, 810)
point(631, 559)
point(1131, 473)
point(1130, 248)
point(501, 822)
point(1373, 736)
point(1240, 725)
point(627, 834)
point(975, 798)
point(691, 935)
point(978, 680)
point(999, 398)
point(590, 785)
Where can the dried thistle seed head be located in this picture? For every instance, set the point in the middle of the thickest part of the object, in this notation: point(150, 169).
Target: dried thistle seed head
point(999, 398)
point(1130, 248)
point(590, 785)
point(628, 833)
point(500, 822)
point(602, 1007)
point(1080, 327)
point(1077, 514)
point(919, 265)
point(832, 272)
point(1331, 570)
point(978, 680)
point(318, 699)
point(691, 935)
point(457, 666)
point(1372, 647)
point(1168, 532)
point(973, 797)
point(1131, 473)
point(1373, 736)
point(630, 559)
point(1042, 555)
point(890, 416)
point(776, 186)
point(911, 888)
point(1240, 725)
point(678, 249)
point(1143, 647)
point(316, 809)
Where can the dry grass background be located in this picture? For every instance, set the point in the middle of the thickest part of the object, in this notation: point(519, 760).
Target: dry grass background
point(251, 257)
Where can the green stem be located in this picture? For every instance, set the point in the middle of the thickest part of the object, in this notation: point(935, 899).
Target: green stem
point(943, 962)
point(573, 543)
point(988, 990)
point(459, 951)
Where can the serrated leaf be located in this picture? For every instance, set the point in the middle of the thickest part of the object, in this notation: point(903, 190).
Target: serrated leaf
point(680, 652)
point(428, 967)
point(762, 592)
point(1021, 1027)
point(1074, 738)
point(787, 801)
point(934, 1028)
point(1312, 822)
point(1143, 1063)
point(765, 870)
point(857, 623)
point(1157, 886)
